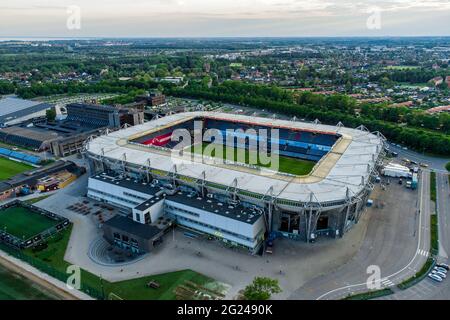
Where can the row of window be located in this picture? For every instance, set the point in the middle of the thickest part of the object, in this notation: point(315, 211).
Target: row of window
point(230, 233)
point(134, 196)
point(126, 239)
point(134, 203)
point(182, 210)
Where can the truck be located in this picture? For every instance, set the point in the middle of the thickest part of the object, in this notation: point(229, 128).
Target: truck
point(396, 171)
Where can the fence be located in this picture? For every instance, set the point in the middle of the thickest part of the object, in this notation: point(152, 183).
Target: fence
point(52, 271)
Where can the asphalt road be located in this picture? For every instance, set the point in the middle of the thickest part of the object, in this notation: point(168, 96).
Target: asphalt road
point(437, 164)
point(397, 241)
point(443, 209)
point(428, 289)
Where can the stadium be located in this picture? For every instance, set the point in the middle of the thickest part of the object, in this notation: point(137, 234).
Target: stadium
point(143, 171)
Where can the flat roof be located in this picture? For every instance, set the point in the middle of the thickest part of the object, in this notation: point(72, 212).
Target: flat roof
point(127, 183)
point(347, 165)
point(127, 225)
point(239, 213)
point(34, 133)
point(10, 105)
point(148, 203)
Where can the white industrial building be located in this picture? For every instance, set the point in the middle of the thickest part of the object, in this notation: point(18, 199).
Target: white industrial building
point(15, 110)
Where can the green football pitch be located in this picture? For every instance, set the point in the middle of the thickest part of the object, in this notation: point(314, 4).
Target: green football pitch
point(286, 164)
point(9, 168)
point(23, 223)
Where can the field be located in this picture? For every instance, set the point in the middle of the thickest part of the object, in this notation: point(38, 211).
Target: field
point(401, 67)
point(286, 164)
point(24, 223)
point(51, 260)
point(9, 168)
point(16, 287)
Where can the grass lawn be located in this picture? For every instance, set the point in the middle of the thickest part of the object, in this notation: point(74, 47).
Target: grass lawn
point(433, 186)
point(35, 200)
point(137, 289)
point(9, 168)
point(401, 67)
point(434, 232)
point(134, 289)
point(418, 276)
point(24, 223)
point(286, 164)
point(370, 294)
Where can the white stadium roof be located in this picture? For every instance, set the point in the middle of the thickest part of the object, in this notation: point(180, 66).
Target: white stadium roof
point(351, 159)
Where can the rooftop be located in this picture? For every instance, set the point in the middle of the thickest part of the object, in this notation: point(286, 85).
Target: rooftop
point(10, 105)
point(144, 231)
point(128, 183)
point(236, 212)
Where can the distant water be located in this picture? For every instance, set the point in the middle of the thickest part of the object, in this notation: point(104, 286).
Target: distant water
point(42, 39)
point(16, 287)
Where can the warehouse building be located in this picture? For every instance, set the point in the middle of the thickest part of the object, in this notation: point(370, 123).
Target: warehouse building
point(15, 110)
point(67, 136)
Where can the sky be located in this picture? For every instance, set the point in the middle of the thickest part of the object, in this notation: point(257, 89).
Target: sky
point(223, 18)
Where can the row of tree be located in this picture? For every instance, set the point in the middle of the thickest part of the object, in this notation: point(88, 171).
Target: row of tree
point(105, 86)
point(413, 118)
point(417, 138)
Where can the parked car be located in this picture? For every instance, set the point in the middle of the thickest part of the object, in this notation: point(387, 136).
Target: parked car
point(423, 165)
point(440, 269)
point(443, 265)
point(434, 277)
point(440, 274)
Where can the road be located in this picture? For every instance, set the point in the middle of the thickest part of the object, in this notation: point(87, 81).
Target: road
point(397, 240)
point(443, 209)
point(428, 289)
point(437, 164)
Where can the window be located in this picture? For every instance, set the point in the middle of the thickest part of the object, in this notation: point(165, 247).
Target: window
point(137, 217)
point(116, 235)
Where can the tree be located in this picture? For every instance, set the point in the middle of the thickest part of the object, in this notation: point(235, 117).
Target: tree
point(50, 114)
point(261, 288)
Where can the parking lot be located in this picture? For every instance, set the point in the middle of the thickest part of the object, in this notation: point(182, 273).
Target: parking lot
point(388, 229)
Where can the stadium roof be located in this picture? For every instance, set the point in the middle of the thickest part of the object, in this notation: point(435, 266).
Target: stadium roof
point(348, 164)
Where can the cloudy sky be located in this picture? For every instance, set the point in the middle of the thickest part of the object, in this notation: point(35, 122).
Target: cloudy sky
point(203, 18)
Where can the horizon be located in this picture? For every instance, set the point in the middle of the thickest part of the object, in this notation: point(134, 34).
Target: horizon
point(45, 38)
point(221, 18)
